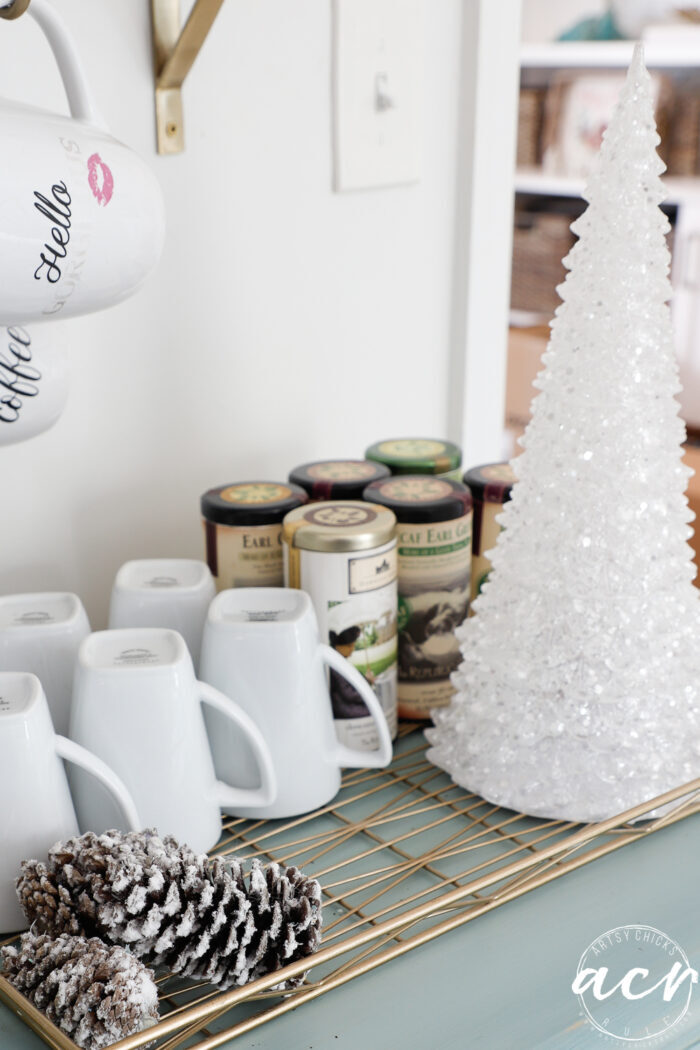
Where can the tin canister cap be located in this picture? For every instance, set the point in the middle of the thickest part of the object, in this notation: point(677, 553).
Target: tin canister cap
point(337, 478)
point(491, 482)
point(417, 455)
point(251, 503)
point(339, 525)
point(420, 498)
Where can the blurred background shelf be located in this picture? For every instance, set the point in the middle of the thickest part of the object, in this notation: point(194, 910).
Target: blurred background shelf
point(567, 92)
point(536, 181)
point(612, 54)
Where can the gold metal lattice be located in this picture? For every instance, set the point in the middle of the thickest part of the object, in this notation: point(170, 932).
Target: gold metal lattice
point(403, 855)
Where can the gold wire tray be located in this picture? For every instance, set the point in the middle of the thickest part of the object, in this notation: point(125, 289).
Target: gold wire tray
point(403, 856)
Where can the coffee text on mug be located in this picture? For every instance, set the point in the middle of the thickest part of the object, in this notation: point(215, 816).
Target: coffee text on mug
point(57, 211)
point(18, 378)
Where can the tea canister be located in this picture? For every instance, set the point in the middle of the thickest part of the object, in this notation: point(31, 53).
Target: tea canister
point(243, 532)
point(418, 456)
point(434, 535)
point(337, 478)
point(343, 554)
point(490, 486)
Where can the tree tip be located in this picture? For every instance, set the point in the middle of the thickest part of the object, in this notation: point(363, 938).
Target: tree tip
point(637, 64)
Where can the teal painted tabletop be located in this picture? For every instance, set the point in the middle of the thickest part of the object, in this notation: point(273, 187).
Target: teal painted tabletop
point(502, 981)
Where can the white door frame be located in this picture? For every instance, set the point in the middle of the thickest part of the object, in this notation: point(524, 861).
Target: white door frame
point(490, 71)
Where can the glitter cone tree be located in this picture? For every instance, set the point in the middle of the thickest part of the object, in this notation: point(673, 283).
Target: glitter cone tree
point(579, 691)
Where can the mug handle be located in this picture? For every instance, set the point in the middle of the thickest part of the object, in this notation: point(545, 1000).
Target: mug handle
point(349, 756)
point(72, 752)
point(227, 794)
point(75, 82)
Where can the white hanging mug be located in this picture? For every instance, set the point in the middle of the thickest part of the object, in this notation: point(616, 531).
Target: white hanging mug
point(261, 647)
point(37, 810)
point(137, 704)
point(82, 220)
point(33, 380)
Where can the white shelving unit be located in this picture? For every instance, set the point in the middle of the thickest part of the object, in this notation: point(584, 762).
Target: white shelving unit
point(613, 54)
point(680, 52)
point(534, 180)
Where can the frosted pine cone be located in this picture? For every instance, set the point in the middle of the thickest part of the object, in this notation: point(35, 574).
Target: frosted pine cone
point(173, 908)
point(42, 897)
point(287, 909)
point(96, 993)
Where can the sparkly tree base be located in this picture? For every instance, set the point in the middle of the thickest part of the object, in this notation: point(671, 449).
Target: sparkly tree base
point(566, 752)
point(579, 692)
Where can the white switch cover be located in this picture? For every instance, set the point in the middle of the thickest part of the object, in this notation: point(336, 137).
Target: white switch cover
point(378, 84)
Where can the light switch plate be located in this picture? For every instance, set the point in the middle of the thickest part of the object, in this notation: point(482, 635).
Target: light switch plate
point(378, 87)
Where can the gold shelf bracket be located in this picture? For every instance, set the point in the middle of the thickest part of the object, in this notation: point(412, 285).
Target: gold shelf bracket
point(15, 9)
point(174, 50)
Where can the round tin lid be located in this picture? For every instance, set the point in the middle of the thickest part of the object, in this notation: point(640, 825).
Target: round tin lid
point(337, 478)
point(251, 503)
point(416, 455)
point(491, 482)
point(339, 525)
point(421, 499)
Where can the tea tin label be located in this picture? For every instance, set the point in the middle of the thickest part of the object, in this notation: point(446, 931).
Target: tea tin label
point(412, 448)
point(247, 556)
point(434, 565)
point(340, 516)
point(369, 574)
point(345, 470)
point(421, 489)
point(255, 493)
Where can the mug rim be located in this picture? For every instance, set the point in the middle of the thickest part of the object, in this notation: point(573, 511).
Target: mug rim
point(33, 697)
point(203, 575)
point(33, 598)
point(262, 599)
point(179, 653)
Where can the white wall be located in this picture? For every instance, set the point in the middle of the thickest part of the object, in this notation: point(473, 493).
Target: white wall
point(285, 322)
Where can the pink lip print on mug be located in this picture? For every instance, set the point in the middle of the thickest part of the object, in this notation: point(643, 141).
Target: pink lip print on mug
point(100, 179)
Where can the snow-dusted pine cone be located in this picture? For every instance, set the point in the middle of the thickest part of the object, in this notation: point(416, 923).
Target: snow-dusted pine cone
point(96, 993)
point(173, 908)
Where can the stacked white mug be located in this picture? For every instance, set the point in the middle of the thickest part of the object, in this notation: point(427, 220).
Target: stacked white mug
point(42, 633)
point(37, 806)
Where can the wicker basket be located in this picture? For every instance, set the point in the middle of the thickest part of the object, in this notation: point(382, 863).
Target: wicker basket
point(530, 116)
point(540, 242)
point(684, 130)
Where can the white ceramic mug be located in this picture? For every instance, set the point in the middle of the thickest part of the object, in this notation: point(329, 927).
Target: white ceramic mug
point(164, 592)
point(262, 647)
point(33, 380)
point(138, 705)
point(42, 633)
point(82, 222)
point(37, 809)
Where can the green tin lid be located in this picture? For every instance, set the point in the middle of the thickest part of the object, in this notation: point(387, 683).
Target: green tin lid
point(416, 455)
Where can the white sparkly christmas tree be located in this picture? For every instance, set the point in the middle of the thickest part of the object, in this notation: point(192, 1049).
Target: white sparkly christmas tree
point(579, 691)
